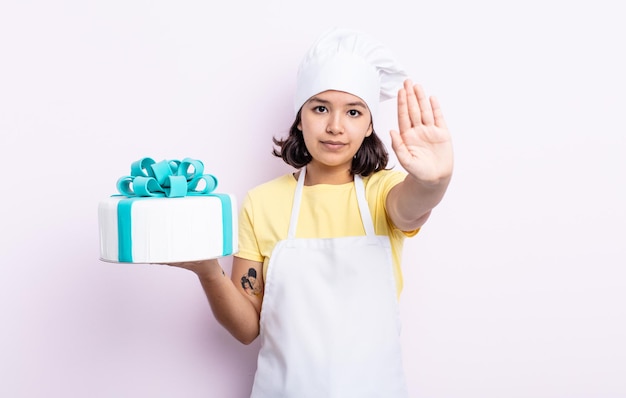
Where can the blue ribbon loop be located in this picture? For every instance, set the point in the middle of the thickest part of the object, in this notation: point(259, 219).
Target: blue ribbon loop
point(172, 179)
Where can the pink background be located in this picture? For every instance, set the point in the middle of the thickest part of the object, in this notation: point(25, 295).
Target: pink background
point(515, 288)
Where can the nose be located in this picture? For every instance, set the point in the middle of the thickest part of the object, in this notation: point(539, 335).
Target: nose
point(334, 125)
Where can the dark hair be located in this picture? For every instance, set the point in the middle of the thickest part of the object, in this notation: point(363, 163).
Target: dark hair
point(372, 156)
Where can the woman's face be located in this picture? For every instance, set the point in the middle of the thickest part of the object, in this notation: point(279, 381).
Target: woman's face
point(334, 125)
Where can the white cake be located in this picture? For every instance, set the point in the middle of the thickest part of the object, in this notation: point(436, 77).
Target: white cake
point(146, 229)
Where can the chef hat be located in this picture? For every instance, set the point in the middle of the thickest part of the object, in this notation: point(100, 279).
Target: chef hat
point(349, 61)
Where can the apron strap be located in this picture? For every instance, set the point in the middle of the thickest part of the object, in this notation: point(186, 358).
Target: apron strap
point(366, 216)
point(295, 209)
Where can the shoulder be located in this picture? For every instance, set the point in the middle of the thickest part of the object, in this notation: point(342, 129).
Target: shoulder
point(382, 181)
point(271, 193)
point(278, 185)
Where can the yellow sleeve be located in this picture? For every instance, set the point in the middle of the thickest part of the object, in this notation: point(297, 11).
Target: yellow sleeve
point(382, 182)
point(248, 244)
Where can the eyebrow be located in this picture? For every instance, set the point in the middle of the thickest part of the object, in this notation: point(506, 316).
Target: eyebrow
point(325, 102)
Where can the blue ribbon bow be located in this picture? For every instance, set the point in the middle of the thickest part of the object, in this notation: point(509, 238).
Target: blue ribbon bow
point(170, 178)
point(167, 178)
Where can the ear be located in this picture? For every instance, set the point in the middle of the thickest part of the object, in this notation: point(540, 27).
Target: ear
point(370, 130)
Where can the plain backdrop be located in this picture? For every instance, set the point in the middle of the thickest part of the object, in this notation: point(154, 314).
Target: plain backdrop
point(516, 287)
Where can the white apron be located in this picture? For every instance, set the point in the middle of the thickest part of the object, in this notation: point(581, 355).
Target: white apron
point(330, 325)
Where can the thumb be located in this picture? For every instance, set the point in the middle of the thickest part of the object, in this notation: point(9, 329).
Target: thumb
point(397, 143)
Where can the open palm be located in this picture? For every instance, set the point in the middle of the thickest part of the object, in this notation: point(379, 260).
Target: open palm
point(423, 145)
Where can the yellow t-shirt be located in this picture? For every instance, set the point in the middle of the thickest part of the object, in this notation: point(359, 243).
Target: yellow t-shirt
point(326, 211)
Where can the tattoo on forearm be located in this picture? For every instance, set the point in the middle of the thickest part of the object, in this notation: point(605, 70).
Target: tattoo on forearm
point(250, 283)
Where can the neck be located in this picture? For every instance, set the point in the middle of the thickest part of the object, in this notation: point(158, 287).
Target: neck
point(319, 174)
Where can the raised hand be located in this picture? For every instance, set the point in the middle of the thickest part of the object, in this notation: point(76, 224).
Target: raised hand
point(423, 145)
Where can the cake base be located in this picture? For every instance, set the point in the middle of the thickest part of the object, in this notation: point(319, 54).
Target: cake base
point(167, 230)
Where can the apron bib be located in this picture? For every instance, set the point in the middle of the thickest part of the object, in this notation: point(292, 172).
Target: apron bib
point(330, 323)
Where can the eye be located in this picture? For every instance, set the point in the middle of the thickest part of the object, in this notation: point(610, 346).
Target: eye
point(320, 109)
point(354, 113)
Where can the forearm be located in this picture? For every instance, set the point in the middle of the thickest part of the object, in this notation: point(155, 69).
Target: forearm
point(231, 309)
point(409, 203)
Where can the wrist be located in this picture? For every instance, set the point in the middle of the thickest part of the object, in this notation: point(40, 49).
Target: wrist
point(209, 270)
point(419, 185)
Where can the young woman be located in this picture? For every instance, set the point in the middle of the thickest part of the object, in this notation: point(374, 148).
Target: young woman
point(318, 275)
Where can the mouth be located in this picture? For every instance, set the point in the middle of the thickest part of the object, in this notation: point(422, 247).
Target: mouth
point(333, 145)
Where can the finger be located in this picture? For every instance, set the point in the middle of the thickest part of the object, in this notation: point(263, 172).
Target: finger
point(404, 120)
point(424, 105)
point(437, 113)
point(415, 114)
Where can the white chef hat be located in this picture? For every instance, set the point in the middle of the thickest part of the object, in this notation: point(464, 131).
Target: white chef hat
point(350, 61)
